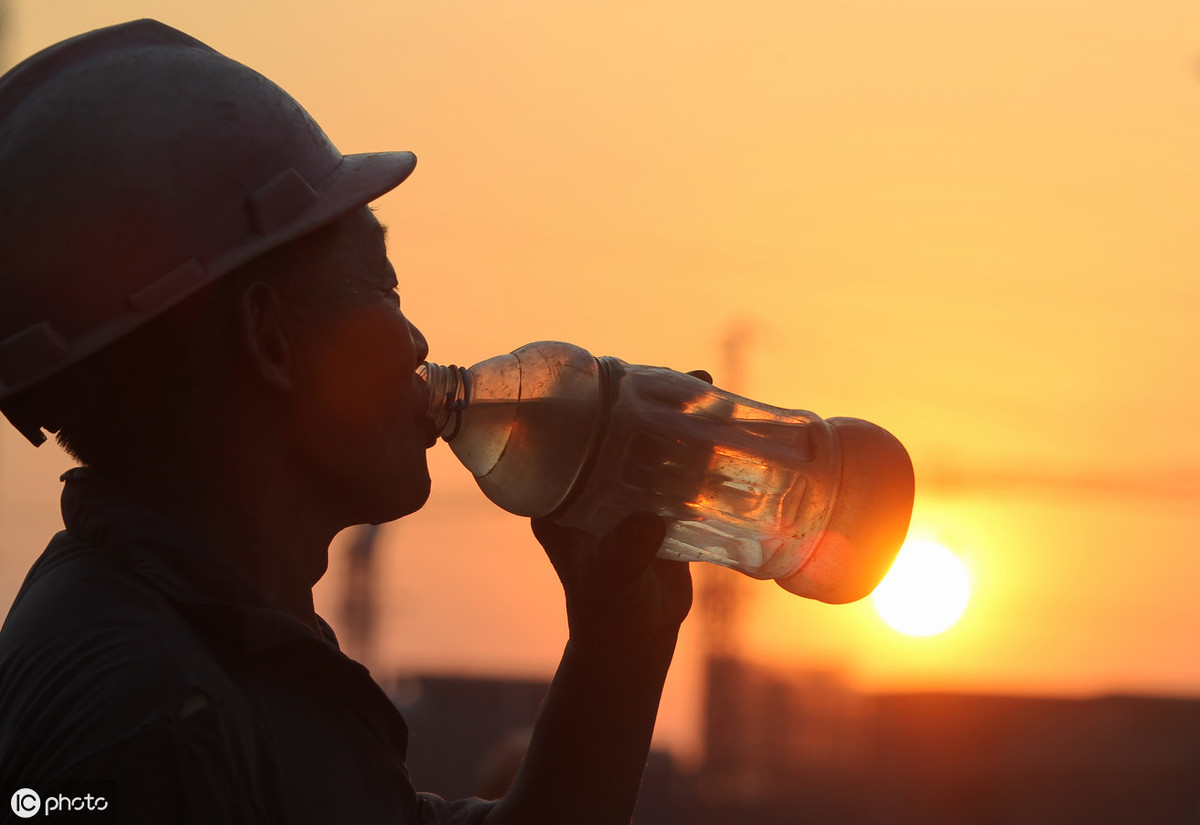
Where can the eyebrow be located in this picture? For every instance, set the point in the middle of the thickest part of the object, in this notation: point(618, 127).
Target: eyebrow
point(383, 230)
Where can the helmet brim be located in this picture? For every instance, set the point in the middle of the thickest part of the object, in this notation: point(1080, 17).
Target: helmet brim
point(360, 179)
point(355, 182)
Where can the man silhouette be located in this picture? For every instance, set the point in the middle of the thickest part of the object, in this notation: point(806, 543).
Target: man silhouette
point(196, 298)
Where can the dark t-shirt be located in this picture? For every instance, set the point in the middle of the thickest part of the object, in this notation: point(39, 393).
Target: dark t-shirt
point(137, 667)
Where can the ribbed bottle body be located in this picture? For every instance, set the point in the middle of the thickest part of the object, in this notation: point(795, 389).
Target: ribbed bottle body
point(742, 484)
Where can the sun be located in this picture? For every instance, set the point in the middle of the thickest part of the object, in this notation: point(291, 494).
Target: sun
point(926, 591)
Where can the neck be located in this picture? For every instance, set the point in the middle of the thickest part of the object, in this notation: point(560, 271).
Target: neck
point(253, 515)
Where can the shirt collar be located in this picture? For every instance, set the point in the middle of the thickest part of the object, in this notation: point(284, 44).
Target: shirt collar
point(187, 571)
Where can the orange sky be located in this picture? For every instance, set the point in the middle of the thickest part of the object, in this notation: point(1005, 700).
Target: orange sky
point(974, 224)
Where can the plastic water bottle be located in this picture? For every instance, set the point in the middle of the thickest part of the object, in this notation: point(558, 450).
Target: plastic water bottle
point(820, 506)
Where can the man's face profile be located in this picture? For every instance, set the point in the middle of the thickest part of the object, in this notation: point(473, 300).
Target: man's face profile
point(359, 406)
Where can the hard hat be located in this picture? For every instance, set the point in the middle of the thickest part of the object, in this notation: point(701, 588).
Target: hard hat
point(138, 165)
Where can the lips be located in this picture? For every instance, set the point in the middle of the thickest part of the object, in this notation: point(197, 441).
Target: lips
point(422, 420)
point(429, 434)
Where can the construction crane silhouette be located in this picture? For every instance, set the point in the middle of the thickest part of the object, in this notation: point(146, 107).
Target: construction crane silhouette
point(3, 35)
point(723, 598)
point(955, 480)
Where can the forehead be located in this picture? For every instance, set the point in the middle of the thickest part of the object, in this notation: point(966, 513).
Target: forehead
point(340, 263)
point(362, 225)
point(358, 244)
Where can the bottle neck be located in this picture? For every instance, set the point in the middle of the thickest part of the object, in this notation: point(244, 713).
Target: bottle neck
point(449, 392)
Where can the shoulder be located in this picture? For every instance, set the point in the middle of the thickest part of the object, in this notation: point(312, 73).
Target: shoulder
point(90, 655)
point(79, 611)
point(72, 587)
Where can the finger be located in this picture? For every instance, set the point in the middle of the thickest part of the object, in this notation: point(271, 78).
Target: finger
point(703, 375)
point(549, 533)
point(675, 578)
point(562, 544)
point(632, 545)
point(676, 574)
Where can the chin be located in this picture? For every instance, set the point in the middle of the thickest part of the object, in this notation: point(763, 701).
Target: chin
point(417, 500)
point(411, 495)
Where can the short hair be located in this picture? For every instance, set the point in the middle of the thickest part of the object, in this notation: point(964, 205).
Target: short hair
point(133, 402)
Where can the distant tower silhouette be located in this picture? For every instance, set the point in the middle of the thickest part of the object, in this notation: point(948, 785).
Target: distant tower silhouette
point(719, 591)
point(720, 607)
point(357, 633)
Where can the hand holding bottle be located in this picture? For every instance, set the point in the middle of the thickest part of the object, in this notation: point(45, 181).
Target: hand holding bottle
point(619, 594)
point(590, 744)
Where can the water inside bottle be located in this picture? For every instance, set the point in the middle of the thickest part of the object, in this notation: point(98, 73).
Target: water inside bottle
point(742, 484)
point(742, 502)
point(526, 454)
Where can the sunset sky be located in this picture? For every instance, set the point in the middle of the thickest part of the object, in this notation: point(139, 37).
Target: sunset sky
point(975, 224)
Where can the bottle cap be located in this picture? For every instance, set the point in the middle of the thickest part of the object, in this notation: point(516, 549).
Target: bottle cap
point(871, 511)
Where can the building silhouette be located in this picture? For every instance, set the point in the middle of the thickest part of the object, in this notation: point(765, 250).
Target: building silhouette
point(788, 746)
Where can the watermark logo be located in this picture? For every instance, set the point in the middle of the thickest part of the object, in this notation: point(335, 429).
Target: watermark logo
point(26, 803)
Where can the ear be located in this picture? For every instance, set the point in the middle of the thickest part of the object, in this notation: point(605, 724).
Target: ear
point(263, 332)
